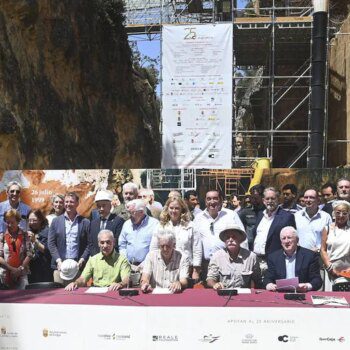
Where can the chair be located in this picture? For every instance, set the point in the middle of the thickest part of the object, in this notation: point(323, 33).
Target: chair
point(44, 285)
point(341, 287)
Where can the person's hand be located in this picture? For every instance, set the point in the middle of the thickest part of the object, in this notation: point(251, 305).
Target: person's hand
point(218, 285)
point(272, 287)
point(146, 288)
point(175, 287)
point(31, 236)
point(71, 286)
point(59, 263)
point(115, 286)
point(302, 287)
point(81, 263)
point(15, 272)
point(195, 275)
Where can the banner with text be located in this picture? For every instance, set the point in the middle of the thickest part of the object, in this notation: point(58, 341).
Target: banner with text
point(197, 96)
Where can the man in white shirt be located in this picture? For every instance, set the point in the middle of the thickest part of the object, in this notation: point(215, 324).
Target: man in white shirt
point(311, 221)
point(211, 222)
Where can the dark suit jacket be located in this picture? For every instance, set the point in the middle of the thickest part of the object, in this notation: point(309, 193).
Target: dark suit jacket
point(114, 223)
point(57, 239)
point(281, 219)
point(307, 267)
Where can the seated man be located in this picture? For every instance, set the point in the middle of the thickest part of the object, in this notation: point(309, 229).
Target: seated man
point(107, 268)
point(233, 266)
point(165, 267)
point(293, 261)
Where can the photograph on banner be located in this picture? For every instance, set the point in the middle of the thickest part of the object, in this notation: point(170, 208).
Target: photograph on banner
point(197, 96)
point(39, 186)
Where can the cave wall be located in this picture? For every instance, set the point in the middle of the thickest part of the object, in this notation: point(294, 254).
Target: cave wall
point(68, 95)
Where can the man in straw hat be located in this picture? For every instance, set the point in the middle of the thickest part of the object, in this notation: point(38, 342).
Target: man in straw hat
point(233, 266)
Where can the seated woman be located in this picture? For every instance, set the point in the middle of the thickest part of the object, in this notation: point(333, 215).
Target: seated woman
point(40, 265)
point(15, 252)
point(335, 247)
point(165, 267)
point(233, 266)
point(57, 202)
point(176, 218)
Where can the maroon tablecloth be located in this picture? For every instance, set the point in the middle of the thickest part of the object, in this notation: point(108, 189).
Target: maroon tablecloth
point(189, 298)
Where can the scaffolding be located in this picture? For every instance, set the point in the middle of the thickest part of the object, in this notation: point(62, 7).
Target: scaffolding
point(271, 69)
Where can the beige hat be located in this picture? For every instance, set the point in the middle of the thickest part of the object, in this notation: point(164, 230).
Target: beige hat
point(232, 227)
point(69, 269)
point(104, 195)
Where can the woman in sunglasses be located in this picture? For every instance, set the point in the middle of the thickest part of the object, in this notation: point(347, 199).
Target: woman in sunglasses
point(15, 252)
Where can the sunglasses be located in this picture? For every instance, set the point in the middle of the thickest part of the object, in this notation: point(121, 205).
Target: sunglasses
point(15, 191)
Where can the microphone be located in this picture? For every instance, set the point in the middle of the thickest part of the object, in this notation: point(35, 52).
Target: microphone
point(128, 291)
point(292, 296)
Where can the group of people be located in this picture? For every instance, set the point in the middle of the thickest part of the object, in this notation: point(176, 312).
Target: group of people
point(142, 243)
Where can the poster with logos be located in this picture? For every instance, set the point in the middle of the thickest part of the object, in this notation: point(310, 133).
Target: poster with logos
point(197, 96)
point(84, 327)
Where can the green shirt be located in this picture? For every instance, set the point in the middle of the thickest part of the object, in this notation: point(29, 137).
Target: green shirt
point(106, 270)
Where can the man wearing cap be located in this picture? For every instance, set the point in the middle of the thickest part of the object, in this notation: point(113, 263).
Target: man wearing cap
point(68, 236)
point(106, 220)
point(135, 237)
point(233, 266)
point(293, 261)
point(107, 268)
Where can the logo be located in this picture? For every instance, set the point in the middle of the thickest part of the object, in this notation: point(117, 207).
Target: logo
point(341, 340)
point(328, 339)
point(4, 333)
point(115, 336)
point(49, 333)
point(3, 330)
point(165, 338)
point(287, 338)
point(209, 338)
point(249, 339)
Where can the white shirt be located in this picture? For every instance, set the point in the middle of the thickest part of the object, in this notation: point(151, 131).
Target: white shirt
point(188, 241)
point(262, 232)
point(209, 230)
point(310, 229)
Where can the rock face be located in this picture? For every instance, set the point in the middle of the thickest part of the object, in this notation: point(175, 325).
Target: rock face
point(68, 95)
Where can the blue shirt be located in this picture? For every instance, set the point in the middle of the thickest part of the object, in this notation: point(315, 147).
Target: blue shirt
point(72, 237)
point(22, 208)
point(134, 240)
point(290, 265)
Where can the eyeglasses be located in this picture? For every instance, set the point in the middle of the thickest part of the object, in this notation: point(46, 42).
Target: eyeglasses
point(15, 191)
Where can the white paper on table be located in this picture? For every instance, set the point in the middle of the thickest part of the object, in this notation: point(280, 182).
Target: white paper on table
point(287, 284)
point(97, 290)
point(329, 300)
point(243, 290)
point(158, 290)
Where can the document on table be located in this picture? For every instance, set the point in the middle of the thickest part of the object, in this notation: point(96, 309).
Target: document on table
point(161, 291)
point(243, 290)
point(97, 290)
point(289, 284)
point(329, 300)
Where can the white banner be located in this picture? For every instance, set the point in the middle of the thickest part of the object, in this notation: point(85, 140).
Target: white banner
point(40, 326)
point(197, 96)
